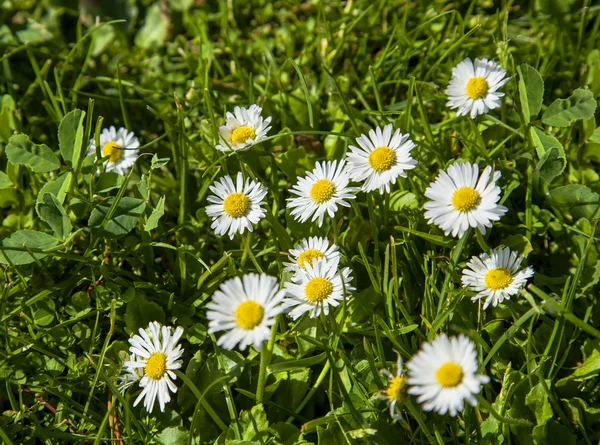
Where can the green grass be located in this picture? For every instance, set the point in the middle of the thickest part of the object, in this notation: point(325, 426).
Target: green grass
point(75, 290)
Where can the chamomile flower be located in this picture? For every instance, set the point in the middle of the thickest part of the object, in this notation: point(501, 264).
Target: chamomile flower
point(122, 147)
point(245, 307)
point(473, 87)
point(461, 199)
point(320, 286)
point(310, 249)
point(235, 207)
point(320, 192)
point(396, 391)
point(443, 374)
point(495, 277)
point(154, 355)
point(381, 158)
point(243, 128)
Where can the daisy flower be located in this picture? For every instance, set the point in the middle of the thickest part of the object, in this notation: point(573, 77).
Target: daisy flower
point(243, 128)
point(246, 308)
point(461, 199)
point(381, 158)
point(443, 374)
point(310, 249)
point(319, 285)
point(122, 147)
point(396, 391)
point(154, 355)
point(320, 192)
point(473, 88)
point(495, 277)
point(235, 207)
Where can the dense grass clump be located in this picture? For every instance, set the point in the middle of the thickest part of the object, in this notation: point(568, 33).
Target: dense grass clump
point(106, 231)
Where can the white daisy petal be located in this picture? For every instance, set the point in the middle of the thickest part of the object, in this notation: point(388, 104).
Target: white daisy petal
point(307, 251)
point(235, 207)
point(473, 88)
point(122, 147)
point(319, 285)
point(245, 307)
point(242, 129)
point(461, 199)
point(380, 159)
point(320, 192)
point(154, 354)
point(443, 375)
point(495, 277)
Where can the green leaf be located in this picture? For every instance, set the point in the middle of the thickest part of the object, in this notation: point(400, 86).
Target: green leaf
point(43, 317)
point(158, 162)
point(254, 423)
point(158, 211)
point(154, 31)
point(537, 400)
point(595, 137)
point(140, 312)
point(52, 212)
point(34, 33)
point(518, 243)
point(142, 187)
point(123, 220)
point(553, 433)
point(549, 167)
point(174, 435)
point(531, 91)
point(70, 137)
point(543, 141)
point(25, 238)
point(109, 181)
point(21, 151)
point(57, 187)
point(401, 200)
point(5, 181)
point(196, 334)
point(576, 199)
point(561, 112)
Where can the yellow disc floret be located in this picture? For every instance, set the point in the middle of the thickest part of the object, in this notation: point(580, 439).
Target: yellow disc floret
point(477, 87)
point(397, 388)
point(449, 375)
point(465, 199)
point(498, 278)
point(249, 314)
point(322, 191)
point(241, 134)
point(236, 205)
point(156, 366)
point(113, 150)
point(382, 159)
point(308, 256)
point(318, 290)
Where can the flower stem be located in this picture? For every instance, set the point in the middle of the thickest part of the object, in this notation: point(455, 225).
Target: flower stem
point(509, 420)
point(265, 360)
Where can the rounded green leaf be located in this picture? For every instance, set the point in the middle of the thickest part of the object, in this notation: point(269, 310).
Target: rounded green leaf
point(21, 151)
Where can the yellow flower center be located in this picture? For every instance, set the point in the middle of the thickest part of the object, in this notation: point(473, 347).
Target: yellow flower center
point(113, 150)
point(156, 366)
point(465, 199)
point(318, 289)
point(498, 278)
point(241, 134)
point(308, 256)
point(382, 159)
point(249, 314)
point(397, 388)
point(449, 375)
point(477, 87)
point(236, 205)
point(322, 191)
